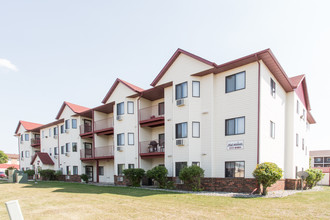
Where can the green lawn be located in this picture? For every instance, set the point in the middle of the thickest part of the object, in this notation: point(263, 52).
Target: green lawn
point(57, 200)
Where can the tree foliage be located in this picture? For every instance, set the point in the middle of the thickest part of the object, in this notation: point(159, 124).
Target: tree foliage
point(3, 157)
point(134, 175)
point(47, 174)
point(159, 174)
point(314, 176)
point(84, 177)
point(267, 174)
point(191, 176)
point(29, 172)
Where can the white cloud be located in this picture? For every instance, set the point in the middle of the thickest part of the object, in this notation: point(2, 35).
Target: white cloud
point(7, 64)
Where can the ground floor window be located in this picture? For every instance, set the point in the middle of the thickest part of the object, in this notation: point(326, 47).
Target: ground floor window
point(130, 166)
point(75, 170)
point(68, 170)
point(121, 168)
point(179, 166)
point(234, 169)
point(101, 171)
point(196, 164)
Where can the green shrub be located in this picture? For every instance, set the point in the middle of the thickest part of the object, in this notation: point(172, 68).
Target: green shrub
point(134, 175)
point(314, 176)
point(267, 174)
point(170, 185)
point(191, 176)
point(47, 174)
point(58, 173)
point(29, 172)
point(159, 174)
point(84, 177)
point(9, 168)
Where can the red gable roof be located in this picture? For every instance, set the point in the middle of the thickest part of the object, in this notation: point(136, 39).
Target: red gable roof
point(114, 85)
point(75, 108)
point(296, 80)
point(44, 157)
point(173, 58)
point(27, 125)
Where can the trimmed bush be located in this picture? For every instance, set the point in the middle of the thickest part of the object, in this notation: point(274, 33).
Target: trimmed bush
point(191, 176)
point(134, 175)
point(314, 176)
point(84, 177)
point(47, 174)
point(9, 168)
point(267, 174)
point(159, 174)
point(58, 173)
point(29, 172)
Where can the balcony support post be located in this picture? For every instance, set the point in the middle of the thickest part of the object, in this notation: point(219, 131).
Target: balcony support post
point(97, 171)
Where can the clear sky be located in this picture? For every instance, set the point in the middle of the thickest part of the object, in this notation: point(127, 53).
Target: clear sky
point(55, 51)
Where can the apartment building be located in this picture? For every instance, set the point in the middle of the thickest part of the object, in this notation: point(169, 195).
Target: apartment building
point(224, 118)
point(320, 159)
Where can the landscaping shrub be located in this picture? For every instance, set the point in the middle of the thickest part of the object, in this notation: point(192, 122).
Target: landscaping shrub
point(84, 177)
point(159, 174)
point(191, 176)
point(314, 176)
point(267, 174)
point(134, 175)
point(9, 168)
point(29, 172)
point(58, 173)
point(47, 174)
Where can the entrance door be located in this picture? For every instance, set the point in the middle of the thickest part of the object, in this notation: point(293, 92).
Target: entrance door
point(88, 150)
point(89, 173)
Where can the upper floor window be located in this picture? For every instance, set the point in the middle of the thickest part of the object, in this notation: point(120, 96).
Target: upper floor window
point(297, 140)
point(67, 147)
point(67, 124)
point(272, 87)
point(272, 129)
point(26, 137)
point(120, 108)
point(297, 107)
point(303, 144)
point(235, 169)
point(22, 138)
point(50, 132)
point(161, 108)
point(196, 129)
point(304, 114)
point(235, 126)
point(318, 159)
point(62, 149)
point(120, 139)
point(181, 91)
point(74, 123)
point(130, 107)
point(55, 131)
point(62, 129)
point(130, 138)
point(196, 89)
point(235, 82)
point(74, 146)
point(43, 134)
point(181, 130)
point(55, 150)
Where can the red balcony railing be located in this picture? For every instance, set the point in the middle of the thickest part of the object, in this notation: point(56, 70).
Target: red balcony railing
point(85, 128)
point(105, 151)
point(35, 142)
point(104, 124)
point(152, 147)
point(86, 153)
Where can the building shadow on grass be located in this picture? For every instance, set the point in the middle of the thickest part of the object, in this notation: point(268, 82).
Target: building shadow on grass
point(63, 187)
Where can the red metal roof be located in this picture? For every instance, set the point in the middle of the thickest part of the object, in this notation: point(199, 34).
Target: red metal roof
point(296, 80)
point(13, 156)
point(114, 85)
point(27, 125)
point(44, 157)
point(75, 108)
point(172, 60)
point(5, 166)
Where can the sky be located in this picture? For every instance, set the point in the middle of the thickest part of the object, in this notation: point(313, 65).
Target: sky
point(55, 51)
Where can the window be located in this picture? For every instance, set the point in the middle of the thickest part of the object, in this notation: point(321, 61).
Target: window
point(181, 130)
point(67, 124)
point(235, 82)
point(75, 170)
point(120, 108)
point(26, 137)
point(74, 123)
point(196, 164)
point(74, 147)
point(22, 138)
point(68, 170)
point(196, 89)
point(22, 154)
point(304, 114)
point(235, 126)
point(27, 154)
point(179, 166)
point(326, 159)
point(297, 140)
point(306, 151)
point(55, 131)
point(130, 107)
point(62, 129)
point(181, 91)
point(161, 108)
point(101, 171)
point(62, 149)
point(318, 159)
point(272, 88)
point(120, 139)
point(297, 107)
point(50, 132)
point(234, 169)
point(42, 134)
point(67, 147)
point(130, 166)
point(272, 129)
point(55, 150)
point(196, 129)
point(130, 138)
point(121, 167)
point(303, 144)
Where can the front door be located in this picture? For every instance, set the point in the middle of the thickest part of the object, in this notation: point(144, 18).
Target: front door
point(88, 150)
point(89, 173)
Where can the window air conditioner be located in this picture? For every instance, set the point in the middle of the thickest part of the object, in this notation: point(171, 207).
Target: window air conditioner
point(67, 131)
point(55, 136)
point(119, 118)
point(120, 149)
point(67, 154)
point(180, 102)
point(179, 142)
point(55, 156)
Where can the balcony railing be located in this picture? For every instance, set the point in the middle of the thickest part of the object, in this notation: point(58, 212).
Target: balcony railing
point(151, 112)
point(86, 153)
point(35, 141)
point(105, 151)
point(153, 146)
point(104, 124)
point(85, 129)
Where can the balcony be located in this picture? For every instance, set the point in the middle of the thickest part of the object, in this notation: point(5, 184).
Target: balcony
point(35, 142)
point(105, 152)
point(152, 116)
point(86, 131)
point(86, 154)
point(104, 127)
point(152, 149)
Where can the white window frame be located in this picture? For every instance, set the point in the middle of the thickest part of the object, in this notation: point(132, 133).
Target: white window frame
point(121, 139)
point(130, 138)
point(196, 129)
point(130, 107)
point(272, 129)
point(196, 89)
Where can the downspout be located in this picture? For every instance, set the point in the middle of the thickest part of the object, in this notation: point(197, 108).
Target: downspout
point(58, 145)
point(138, 116)
point(93, 153)
point(19, 151)
point(258, 135)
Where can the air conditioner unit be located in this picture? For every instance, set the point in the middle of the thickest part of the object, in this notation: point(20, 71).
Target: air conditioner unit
point(119, 118)
point(120, 149)
point(55, 156)
point(179, 142)
point(180, 102)
point(67, 131)
point(67, 154)
point(55, 136)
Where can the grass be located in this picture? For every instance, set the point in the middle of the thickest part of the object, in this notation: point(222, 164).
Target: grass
point(59, 200)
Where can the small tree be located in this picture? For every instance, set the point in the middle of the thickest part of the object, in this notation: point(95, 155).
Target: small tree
point(29, 172)
point(58, 174)
point(314, 176)
point(3, 157)
point(267, 174)
point(134, 176)
point(84, 177)
point(159, 174)
point(191, 176)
